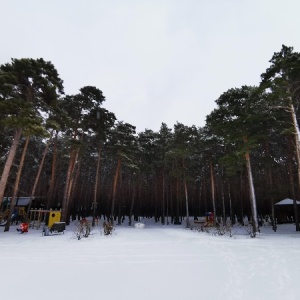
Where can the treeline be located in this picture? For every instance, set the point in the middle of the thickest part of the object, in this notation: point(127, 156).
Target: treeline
point(75, 154)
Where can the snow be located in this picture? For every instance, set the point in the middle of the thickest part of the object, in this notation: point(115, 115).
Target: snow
point(154, 262)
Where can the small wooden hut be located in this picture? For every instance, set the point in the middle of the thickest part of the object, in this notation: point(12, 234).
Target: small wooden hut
point(284, 210)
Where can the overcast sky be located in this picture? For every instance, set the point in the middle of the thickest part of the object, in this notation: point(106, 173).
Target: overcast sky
point(154, 60)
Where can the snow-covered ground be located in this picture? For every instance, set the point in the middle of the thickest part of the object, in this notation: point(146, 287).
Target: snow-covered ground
point(157, 262)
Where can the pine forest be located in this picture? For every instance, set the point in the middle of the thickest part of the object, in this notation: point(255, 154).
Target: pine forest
point(68, 152)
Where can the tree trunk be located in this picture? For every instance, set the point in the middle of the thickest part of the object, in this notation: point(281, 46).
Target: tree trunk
point(167, 205)
point(132, 203)
point(96, 186)
point(177, 202)
point(163, 199)
point(198, 210)
point(212, 179)
point(252, 195)
point(297, 138)
point(230, 206)
point(120, 191)
point(65, 203)
point(74, 180)
point(205, 193)
point(186, 205)
point(9, 162)
point(37, 178)
point(271, 193)
point(290, 108)
point(16, 187)
point(274, 226)
point(241, 199)
point(50, 194)
point(223, 203)
point(115, 190)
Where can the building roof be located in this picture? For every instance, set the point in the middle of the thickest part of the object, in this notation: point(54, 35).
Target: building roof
point(287, 201)
point(20, 201)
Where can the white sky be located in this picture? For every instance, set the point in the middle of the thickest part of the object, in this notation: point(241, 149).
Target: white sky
point(155, 60)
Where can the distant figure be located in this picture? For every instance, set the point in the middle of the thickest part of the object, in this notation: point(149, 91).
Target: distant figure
point(23, 228)
point(83, 221)
point(14, 216)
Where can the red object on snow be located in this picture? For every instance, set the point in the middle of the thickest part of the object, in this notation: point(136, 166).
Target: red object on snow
point(24, 227)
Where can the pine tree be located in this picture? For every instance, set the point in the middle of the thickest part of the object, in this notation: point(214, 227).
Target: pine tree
point(28, 89)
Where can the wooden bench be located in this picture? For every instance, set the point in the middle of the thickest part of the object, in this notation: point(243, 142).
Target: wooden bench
point(58, 227)
point(201, 224)
point(198, 225)
point(55, 228)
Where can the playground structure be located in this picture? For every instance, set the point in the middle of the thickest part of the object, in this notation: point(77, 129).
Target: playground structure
point(39, 216)
point(4, 216)
point(19, 211)
point(209, 219)
point(19, 215)
point(50, 218)
point(207, 222)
